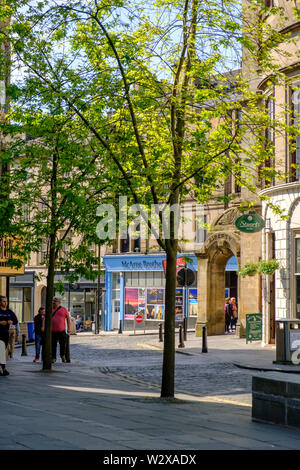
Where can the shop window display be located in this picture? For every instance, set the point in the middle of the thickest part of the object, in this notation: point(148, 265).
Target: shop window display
point(142, 296)
point(193, 302)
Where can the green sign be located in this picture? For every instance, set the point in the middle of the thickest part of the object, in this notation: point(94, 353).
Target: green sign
point(250, 223)
point(253, 327)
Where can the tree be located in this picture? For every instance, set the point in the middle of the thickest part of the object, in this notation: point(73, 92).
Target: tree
point(55, 190)
point(154, 86)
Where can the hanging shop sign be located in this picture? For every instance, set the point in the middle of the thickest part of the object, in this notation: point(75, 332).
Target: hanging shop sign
point(250, 223)
point(6, 254)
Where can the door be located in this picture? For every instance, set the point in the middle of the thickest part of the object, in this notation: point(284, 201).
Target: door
point(115, 314)
point(272, 310)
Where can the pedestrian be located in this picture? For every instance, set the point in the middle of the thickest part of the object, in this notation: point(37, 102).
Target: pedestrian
point(234, 313)
point(78, 323)
point(13, 333)
point(59, 317)
point(39, 328)
point(6, 319)
point(67, 353)
point(228, 314)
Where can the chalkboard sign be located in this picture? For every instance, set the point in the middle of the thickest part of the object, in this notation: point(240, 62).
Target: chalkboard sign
point(253, 327)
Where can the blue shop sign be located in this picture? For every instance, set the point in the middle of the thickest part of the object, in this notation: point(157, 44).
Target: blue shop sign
point(121, 263)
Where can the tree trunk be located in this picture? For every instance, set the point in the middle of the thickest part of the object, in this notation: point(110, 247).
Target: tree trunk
point(168, 372)
point(47, 353)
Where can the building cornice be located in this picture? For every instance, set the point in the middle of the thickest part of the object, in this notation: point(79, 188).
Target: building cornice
point(280, 188)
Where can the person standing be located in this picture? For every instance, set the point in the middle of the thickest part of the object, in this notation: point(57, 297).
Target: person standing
point(59, 317)
point(13, 333)
point(39, 328)
point(228, 314)
point(78, 323)
point(234, 313)
point(6, 319)
point(68, 332)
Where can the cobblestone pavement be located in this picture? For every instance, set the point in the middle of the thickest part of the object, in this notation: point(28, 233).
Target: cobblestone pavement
point(138, 358)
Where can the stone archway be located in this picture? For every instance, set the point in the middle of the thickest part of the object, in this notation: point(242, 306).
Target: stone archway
point(43, 295)
point(39, 296)
point(212, 259)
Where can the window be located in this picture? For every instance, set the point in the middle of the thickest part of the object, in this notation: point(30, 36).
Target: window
point(137, 240)
point(144, 279)
point(269, 3)
point(227, 190)
point(125, 245)
point(239, 116)
point(43, 253)
point(295, 155)
point(44, 212)
point(20, 302)
point(26, 213)
point(201, 232)
point(270, 139)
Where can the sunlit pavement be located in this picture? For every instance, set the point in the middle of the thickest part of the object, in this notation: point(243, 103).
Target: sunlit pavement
point(108, 398)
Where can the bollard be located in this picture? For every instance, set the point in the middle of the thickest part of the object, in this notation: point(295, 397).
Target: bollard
point(204, 340)
point(120, 328)
point(185, 329)
point(68, 358)
point(181, 343)
point(160, 334)
point(24, 350)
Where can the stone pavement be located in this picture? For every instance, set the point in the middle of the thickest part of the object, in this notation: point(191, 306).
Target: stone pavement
point(78, 407)
point(222, 348)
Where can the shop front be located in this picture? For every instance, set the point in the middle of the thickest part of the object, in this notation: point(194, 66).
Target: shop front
point(21, 296)
point(281, 241)
point(79, 298)
point(135, 291)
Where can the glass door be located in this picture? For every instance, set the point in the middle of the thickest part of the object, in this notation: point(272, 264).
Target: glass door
point(115, 314)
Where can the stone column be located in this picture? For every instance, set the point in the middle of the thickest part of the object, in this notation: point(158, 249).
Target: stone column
point(2, 285)
point(249, 287)
point(203, 294)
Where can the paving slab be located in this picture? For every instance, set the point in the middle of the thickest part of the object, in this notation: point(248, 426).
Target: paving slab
point(86, 408)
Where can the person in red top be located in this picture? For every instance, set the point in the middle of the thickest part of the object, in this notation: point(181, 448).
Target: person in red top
point(59, 317)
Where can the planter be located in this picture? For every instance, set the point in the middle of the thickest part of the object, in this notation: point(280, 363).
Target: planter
point(263, 267)
point(250, 269)
point(268, 267)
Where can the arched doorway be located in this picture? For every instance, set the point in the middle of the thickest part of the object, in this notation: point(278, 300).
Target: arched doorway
point(212, 280)
point(231, 278)
point(43, 295)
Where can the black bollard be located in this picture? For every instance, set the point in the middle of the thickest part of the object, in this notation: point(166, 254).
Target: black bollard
point(160, 334)
point(204, 340)
point(181, 343)
point(24, 350)
point(185, 329)
point(68, 358)
point(120, 328)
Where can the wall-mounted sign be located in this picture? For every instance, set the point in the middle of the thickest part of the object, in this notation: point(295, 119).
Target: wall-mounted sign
point(250, 223)
point(6, 253)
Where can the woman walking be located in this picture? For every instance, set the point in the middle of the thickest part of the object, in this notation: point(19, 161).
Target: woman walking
point(228, 314)
point(39, 327)
point(234, 313)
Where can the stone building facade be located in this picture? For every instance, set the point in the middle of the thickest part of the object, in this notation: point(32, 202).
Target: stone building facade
point(276, 296)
